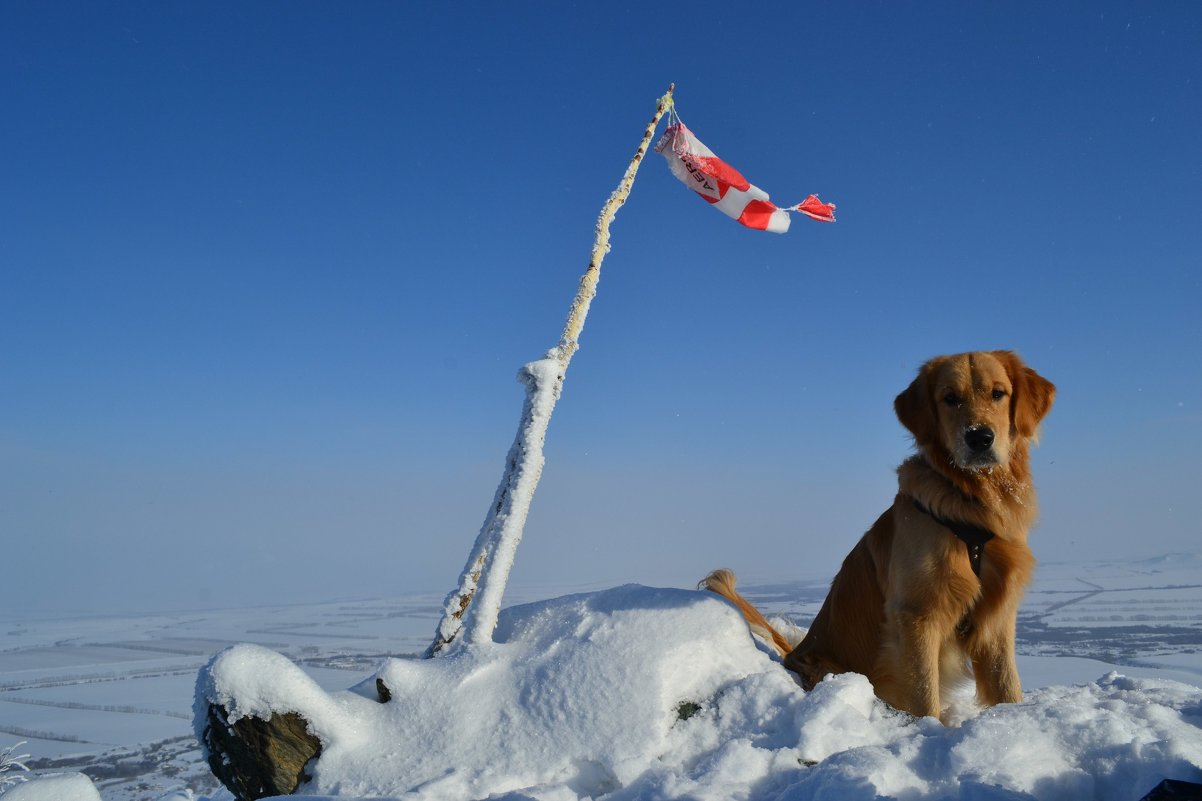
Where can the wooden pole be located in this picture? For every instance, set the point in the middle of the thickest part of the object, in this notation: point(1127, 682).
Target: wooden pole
point(487, 569)
point(568, 342)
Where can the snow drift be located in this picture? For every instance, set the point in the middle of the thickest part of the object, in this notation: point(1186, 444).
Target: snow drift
point(640, 693)
point(60, 787)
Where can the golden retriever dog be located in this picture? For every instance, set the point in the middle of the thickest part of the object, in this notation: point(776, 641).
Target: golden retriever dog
point(934, 586)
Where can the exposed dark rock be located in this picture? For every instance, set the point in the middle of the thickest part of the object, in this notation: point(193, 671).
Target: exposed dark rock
point(1175, 790)
point(256, 758)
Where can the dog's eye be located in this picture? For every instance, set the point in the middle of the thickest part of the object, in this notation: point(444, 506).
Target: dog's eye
point(998, 394)
point(951, 399)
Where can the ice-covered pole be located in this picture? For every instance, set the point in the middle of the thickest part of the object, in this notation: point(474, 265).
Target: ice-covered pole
point(470, 612)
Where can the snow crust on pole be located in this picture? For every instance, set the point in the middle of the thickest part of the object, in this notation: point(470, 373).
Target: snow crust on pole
point(498, 540)
point(543, 380)
point(491, 559)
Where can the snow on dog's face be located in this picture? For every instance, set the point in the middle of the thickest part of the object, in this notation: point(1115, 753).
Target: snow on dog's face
point(971, 408)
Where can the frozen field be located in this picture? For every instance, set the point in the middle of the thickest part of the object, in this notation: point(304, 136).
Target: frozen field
point(112, 696)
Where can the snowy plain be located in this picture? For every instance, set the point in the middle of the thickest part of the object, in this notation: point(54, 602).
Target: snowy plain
point(586, 693)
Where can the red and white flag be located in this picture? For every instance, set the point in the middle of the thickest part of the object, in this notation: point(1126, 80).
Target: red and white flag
point(724, 187)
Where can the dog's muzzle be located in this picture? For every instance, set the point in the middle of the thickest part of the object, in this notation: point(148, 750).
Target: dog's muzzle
point(978, 447)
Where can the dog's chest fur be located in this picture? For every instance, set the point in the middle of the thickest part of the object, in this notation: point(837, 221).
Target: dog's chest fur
point(1006, 506)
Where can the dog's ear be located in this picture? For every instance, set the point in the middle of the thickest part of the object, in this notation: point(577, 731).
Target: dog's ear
point(915, 406)
point(1032, 395)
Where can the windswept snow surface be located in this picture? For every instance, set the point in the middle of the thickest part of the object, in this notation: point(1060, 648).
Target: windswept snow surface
point(639, 693)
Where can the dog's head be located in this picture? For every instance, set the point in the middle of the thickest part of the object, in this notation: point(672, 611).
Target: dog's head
point(974, 407)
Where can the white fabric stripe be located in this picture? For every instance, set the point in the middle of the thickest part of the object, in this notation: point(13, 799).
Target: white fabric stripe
point(735, 201)
point(779, 222)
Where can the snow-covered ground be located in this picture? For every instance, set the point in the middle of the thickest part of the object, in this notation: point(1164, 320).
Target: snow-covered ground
point(579, 708)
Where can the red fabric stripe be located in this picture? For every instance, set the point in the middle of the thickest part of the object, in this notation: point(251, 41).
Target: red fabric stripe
point(722, 171)
point(756, 214)
point(815, 208)
point(723, 188)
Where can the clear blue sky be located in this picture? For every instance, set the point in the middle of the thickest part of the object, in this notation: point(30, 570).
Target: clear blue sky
point(268, 271)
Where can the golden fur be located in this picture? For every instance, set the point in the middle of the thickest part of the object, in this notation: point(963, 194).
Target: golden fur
point(906, 609)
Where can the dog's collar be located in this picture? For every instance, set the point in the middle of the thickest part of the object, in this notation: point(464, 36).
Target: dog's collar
point(974, 537)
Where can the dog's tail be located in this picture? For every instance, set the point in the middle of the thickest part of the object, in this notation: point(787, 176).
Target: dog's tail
point(722, 582)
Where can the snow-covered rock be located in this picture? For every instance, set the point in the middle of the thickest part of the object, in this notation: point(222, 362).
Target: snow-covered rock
point(639, 693)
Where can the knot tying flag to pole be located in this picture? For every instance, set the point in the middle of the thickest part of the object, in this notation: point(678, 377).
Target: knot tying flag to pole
point(724, 187)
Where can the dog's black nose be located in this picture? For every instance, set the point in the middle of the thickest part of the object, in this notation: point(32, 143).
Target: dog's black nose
point(978, 438)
